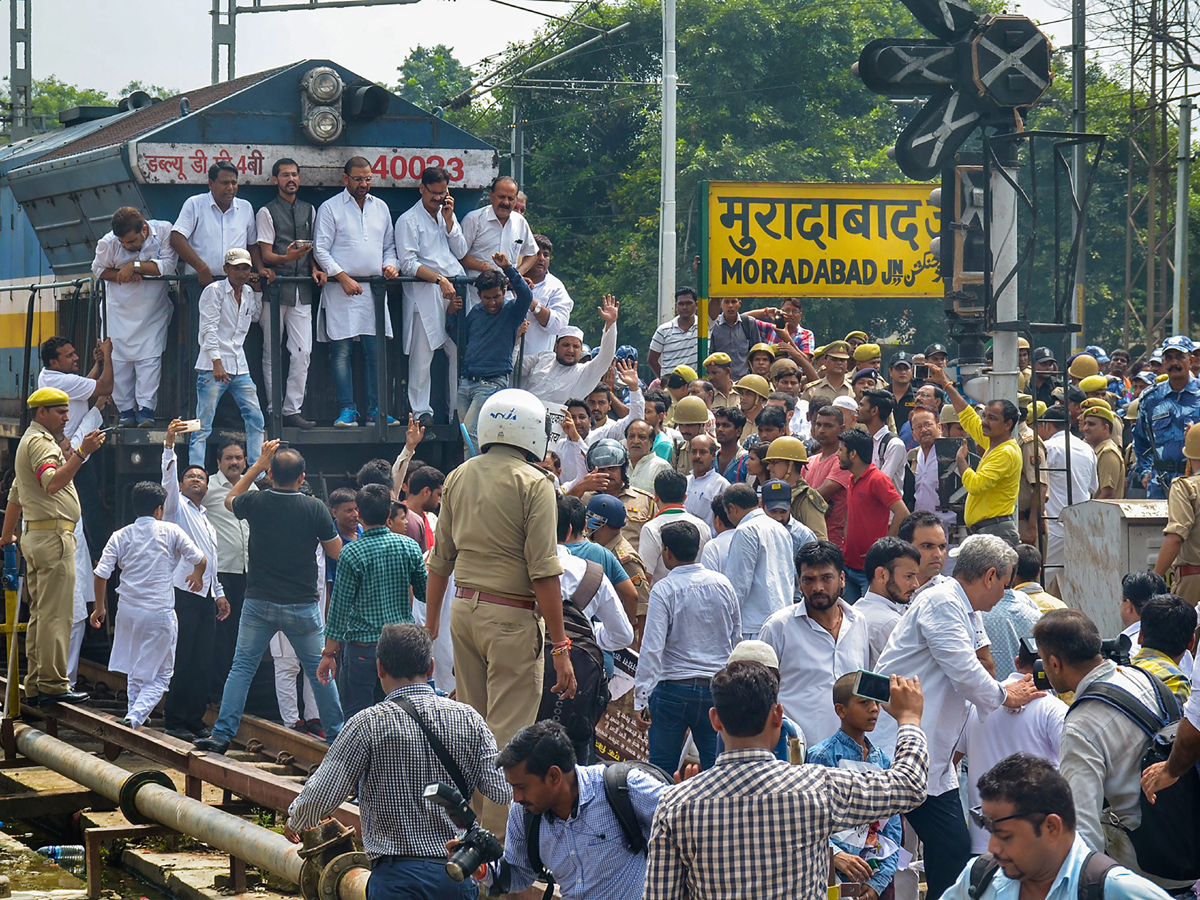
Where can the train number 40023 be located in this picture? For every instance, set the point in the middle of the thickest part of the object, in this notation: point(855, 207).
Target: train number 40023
point(401, 167)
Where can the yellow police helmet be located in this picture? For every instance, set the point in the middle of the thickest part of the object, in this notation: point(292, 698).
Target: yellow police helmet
point(948, 416)
point(48, 396)
point(761, 347)
point(1093, 383)
point(783, 366)
point(1023, 401)
point(787, 448)
point(864, 352)
point(1101, 412)
point(717, 359)
point(1131, 410)
point(1041, 411)
point(1191, 443)
point(1083, 366)
point(1022, 344)
point(753, 383)
point(691, 411)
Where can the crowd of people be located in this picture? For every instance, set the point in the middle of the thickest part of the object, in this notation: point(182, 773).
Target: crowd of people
point(763, 527)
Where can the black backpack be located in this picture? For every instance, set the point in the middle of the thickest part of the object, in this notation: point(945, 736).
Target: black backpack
point(616, 792)
point(1091, 876)
point(1167, 843)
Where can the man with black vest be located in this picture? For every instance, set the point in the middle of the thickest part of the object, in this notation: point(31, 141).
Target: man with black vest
point(285, 230)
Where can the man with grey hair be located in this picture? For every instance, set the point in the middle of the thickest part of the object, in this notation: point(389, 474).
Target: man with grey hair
point(935, 641)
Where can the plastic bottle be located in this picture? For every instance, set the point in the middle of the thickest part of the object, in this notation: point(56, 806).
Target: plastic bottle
point(66, 853)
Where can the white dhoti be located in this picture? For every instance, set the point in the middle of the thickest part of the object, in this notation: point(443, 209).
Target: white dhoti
point(1056, 556)
point(296, 325)
point(443, 649)
point(136, 382)
point(79, 613)
point(287, 671)
point(144, 649)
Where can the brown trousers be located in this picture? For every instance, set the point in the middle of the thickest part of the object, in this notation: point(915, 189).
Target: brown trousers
point(50, 577)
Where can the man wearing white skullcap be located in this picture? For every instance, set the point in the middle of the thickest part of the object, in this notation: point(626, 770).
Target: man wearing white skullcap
point(556, 376)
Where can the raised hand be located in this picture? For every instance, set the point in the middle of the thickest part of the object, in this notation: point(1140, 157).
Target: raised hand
point(609, 308)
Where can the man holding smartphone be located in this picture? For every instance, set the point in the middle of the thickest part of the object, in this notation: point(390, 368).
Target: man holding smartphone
point(285, 232)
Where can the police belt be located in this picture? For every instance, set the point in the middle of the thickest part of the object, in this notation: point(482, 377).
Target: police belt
point(50, 525)
point(1177, 467)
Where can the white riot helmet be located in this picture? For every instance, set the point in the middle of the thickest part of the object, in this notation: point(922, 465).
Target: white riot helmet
point(516, 418)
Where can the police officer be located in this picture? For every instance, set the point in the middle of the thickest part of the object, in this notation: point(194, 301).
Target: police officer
point(691, 417)
point(834, 383)
point(1181, 538)
point(606, 519)
point(1165, 413)
point(45, 467)
point(786, 458)
point(498, 535)
point(608, 459)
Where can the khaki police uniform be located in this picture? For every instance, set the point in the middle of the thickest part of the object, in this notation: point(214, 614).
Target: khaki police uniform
point(1183, 519)
point(1031, 474)
point(639, 509)
point(634, 568)
point(497, 533)
point(48, 546)
point(809, 508)
point(822, 393)
point(1110, 468)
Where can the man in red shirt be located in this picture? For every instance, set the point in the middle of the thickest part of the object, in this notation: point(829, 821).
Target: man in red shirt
point(825, 474)
point(871, 498)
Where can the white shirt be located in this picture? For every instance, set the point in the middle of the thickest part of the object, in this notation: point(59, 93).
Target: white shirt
point(1035, 728)
point(613, 631)
point(693, 622)
point(650, 539)
point(211, 233)
point(193, 520)
point(935, 641)
point(881, 616)
point(925, 480)
point(700, 493)
point(223, 326)
point(233, 534)
point(147, 552)
point(648, 468)
point(810, 661)
point(891, 463)
point(1084, 481)
point(486, 235)
point(422, 240)
point(715, 555)
point(551, 293)
point(762, 568)
point(137, 314)
point(79, 388)
point(359, 242)
point(674, 345)
point(552, 382)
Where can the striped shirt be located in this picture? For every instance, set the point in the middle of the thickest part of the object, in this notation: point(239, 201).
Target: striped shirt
point(754, 826)
point(675, 347)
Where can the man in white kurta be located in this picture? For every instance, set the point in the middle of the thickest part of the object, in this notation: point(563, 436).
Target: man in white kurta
point(353, 239)
point(496, 228)
point(146, 552)
point(556, 376)
point(550, 311)
point(429, 244)
point(136, 313)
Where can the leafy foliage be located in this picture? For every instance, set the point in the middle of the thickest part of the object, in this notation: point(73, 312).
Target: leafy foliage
point(430, 76)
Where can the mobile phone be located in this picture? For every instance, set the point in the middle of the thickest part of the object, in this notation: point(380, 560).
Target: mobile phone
point(921, 372)
point(190, 425)
point(108, 429)
point(872, 685)
point(303, 245)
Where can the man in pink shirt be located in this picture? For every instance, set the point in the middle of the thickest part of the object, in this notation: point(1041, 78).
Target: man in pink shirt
point(825, 474)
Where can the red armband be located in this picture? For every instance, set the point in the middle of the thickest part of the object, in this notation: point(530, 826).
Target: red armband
point(43, 467)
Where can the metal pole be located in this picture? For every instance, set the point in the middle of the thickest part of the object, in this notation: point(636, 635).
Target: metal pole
point(1183, 161)
point(20, 76)
point(224, 34)
point(666, 227)
point(1079, 154)
point(1003, 235)
point(517, 159)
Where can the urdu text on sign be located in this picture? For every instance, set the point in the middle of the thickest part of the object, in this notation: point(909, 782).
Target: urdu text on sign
point(791, 239)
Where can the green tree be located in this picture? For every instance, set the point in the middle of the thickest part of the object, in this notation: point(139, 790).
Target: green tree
point(430, 76)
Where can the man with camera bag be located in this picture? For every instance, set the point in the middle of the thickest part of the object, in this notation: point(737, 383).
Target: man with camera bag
point(575, 825)
point(398, 748)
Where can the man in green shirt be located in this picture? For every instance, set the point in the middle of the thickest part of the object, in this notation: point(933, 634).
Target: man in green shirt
point(375, 575)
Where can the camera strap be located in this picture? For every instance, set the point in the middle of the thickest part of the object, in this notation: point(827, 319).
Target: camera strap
point(439, 749)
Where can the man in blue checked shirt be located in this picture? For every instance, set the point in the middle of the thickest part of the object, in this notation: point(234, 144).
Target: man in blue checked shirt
point(1028, 810)
point(879, 842)
point(1165, 412)
point(580, 837)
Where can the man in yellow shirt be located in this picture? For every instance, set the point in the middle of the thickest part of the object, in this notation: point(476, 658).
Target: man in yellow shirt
point(993, 486)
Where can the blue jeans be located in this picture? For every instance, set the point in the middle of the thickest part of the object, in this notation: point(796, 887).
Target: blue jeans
point(471, 394)
point(260, 621)
point(343, 377)
point(359, 678)
point(856, 585)
point(208, 394)
point(393, 878)
point(676, 707)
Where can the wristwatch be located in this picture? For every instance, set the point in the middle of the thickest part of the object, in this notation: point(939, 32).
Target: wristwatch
point(137, 266)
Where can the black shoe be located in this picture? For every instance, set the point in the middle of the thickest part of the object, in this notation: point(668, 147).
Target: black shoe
point(425, 420)
point(181, 734)
point(211, 745)
point(202, 732)
point(65, 697)
point(295, 420)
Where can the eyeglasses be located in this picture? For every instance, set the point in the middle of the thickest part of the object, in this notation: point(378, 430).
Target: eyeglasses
point(989, 824)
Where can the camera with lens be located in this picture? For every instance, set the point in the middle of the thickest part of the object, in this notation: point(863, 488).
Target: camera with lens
point(1041, 680)
point(477, 845)
point(1117, 649)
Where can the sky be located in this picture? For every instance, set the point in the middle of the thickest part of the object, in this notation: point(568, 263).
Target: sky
point(101, 45)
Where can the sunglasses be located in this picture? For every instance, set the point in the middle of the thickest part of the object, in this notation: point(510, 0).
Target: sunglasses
point(989, 824)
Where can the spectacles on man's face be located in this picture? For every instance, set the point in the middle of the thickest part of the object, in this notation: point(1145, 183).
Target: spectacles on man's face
point(989, 824)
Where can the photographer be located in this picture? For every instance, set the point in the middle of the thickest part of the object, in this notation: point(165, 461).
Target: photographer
point(580, 837)
point(384, 754)
point(1102, 747)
